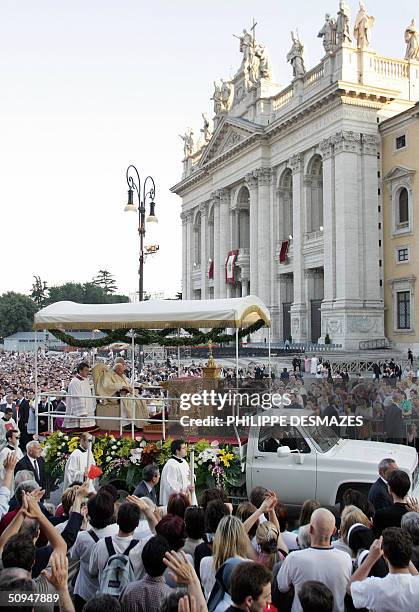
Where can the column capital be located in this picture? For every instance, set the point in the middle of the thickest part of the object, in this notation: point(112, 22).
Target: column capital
point(346, 141)
point(369, 144)
point(326, 148)
point(263, 175)
point(297, 162)
point(251, 181)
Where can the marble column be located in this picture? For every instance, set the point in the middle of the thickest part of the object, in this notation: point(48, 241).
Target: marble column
point(349, 256)
point(299, 306)
point(189, 257)
point(204, 254)
point(216, 247)
point(224, 196)
point(371, 288)
point(183, 216)
point(329, 231)
point(252, 184)
point(264, 251)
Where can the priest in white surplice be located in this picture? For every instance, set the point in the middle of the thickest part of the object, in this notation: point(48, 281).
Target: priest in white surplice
point(176, 475)
point(79, 462)
point(80, 402)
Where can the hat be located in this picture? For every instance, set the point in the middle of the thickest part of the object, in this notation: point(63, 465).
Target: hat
point(359, 537)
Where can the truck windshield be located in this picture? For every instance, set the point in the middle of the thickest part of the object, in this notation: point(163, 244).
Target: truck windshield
point(323, 436)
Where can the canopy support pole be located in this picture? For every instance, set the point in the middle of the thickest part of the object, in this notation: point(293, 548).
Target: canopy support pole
point(36, 382)
point(269, 355)
point(132, 380)
point(178, 354)
point(237, 356)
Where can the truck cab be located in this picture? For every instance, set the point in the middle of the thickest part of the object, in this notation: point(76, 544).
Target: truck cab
point(300, 462)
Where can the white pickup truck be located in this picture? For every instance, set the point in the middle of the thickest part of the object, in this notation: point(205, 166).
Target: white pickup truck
point(314, 462)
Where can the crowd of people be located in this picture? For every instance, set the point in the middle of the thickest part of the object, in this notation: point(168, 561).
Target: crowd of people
point(106, 551)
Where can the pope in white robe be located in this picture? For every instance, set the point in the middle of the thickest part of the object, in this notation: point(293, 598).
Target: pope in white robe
point(78, 463)
point(113, 382)
point(79, 401)
point(176, 475)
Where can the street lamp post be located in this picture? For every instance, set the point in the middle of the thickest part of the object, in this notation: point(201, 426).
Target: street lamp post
point(134, 184)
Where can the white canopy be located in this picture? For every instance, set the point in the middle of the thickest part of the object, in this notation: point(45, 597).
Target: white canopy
point(154, 314)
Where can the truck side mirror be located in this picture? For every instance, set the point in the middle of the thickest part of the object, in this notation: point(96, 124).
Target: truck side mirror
point(283, 451)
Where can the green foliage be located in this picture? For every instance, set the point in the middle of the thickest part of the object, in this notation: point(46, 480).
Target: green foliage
point(87, 293)
point(16, 313)
point(105, 281)
point(39, 292)
point(161, 337)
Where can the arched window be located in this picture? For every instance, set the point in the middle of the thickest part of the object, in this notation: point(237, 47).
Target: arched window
point(197, 239)
point(285, 205)
point(243, 211)
point(403, 207)
point(314, 193)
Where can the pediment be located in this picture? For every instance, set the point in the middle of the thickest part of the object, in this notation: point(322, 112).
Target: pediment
point(229, 133)
point(398, 172)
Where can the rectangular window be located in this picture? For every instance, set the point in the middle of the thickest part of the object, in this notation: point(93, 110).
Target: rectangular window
point(403, 254)
point(401, 142)
point(403, 310)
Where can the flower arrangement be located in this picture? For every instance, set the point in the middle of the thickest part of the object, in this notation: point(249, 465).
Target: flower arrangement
point(57, 449)
point(216, 464)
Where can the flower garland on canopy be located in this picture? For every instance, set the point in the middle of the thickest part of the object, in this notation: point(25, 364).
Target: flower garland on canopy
point(162, 337)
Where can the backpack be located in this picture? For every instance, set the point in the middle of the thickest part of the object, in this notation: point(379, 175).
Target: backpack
point(118, 571)
point(74, 567)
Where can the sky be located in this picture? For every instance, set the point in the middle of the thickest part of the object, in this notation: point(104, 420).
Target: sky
point(89, 86)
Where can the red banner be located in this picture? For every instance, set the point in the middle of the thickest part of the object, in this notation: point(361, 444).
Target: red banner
point(211, 269)
point(230, 261)
point(283, 252)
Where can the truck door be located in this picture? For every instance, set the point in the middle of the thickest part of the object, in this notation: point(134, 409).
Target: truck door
point(293, 482)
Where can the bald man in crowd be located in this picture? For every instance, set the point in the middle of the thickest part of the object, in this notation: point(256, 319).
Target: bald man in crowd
point(320, 562)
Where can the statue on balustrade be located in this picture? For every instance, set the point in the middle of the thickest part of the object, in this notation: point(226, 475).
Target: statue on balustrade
point(265, 67)
point(411, 37)
point(207, 130)
point(328, 33)
point(343, 34)
point(227, 90)
point(188, 142)
point(295, 57)
point(362, 27)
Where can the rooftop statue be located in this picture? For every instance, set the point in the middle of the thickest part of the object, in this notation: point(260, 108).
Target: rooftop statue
point(343, 34)
point(295, 57)
point(328, 34)
point(188, 142)
point(411, 37)
point(362, 27)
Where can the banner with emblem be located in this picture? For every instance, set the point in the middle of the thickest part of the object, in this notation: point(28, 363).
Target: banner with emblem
point(230, 265)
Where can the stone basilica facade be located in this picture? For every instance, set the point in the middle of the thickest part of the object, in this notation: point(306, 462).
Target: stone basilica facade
point(281, 193)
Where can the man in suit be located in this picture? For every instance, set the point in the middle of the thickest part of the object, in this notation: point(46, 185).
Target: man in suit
point(398, 486)
point(146, 488)
point(22, 404)
point(378, 494)
point(393, 420)
point(33, 462)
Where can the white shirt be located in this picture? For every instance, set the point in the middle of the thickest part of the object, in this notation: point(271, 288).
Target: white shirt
point(328, 565)
point(393, 592)
point(207, 574)
point(86, 586)
point(175, 478)
point(290, 539)
point(100, 556)
point(75, 467)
